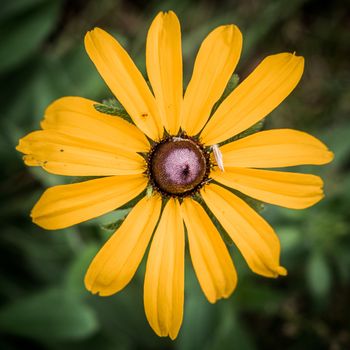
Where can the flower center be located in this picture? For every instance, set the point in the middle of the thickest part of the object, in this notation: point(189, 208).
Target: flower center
point(178, 166)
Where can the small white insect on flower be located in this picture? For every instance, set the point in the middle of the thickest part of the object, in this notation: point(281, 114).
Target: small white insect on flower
point(218, 157)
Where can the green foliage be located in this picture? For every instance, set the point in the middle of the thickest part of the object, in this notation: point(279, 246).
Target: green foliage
point(112, 107)
point(51, 315)
point(231, 85)
point(24, 26)
point(318, 275)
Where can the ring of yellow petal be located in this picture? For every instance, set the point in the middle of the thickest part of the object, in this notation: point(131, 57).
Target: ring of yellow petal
point(178, 166)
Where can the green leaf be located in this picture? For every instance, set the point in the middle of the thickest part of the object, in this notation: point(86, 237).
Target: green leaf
point(338, 140)
point(77, 179)
point(200, 317)
point(122, 315)
point(252, 130)
point(112, 107)
point(231, 85)
point(21, 37)
point(225, 236)
point(290, 238)
point(106, 221)
point(254, 297)
point(10, 9)
point(74, 279)
point(318, 275)
point(102, 108)
point(76, 66)
point(112, 226)
point(230, 331)
point(48, 179)
point(49, 315)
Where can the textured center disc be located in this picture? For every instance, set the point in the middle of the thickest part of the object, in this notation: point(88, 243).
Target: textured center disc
point(178, 165)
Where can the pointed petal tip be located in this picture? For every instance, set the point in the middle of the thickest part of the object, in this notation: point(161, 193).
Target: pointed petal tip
point(330, 156)
point(18, 147)
point(22, 144)
point(100, 293)
point(38, 222)
point(232, 32)
point(88, 33)
point(235, 30)
point(213, 299)
point(230, 28)
point(94, 289)
point(97, 290)
point(91, 33)
point(173, 333)
point(289, 57)
point(36, 219)
point(163, 332)
point(281, 271)
point(169, 13)
point(276, 272)
point(316, 199)
point(301, 63)
point(95, 29)
point(327, 156)
point(103, 293)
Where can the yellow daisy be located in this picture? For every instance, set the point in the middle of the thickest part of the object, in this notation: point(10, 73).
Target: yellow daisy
point(172, 157)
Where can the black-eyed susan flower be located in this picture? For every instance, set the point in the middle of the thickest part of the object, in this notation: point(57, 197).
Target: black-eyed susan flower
point(178, 156)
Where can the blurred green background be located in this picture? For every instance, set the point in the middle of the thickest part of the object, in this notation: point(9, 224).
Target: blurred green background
point(43, 303)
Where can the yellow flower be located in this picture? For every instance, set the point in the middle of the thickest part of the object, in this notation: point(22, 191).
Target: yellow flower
point(174, 147)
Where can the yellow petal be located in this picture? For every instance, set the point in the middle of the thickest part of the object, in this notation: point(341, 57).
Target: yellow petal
point(116, 263)
point(290, 190)
point(164, 67)
point(64, 154)
point(216, 60)
point(275, 148)
point(264, 89)
point(76, 116)
point(164, 278)
point(210, 257)
point(253, 236)
point(125, 81)
point(66, 205)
